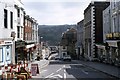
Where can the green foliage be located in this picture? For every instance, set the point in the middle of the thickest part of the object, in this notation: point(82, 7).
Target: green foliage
point(52, 34)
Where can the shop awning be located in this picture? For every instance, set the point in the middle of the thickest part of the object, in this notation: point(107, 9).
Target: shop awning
point(30, 46)
point(113, 43)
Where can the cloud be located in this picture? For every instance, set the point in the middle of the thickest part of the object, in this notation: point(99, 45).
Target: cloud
point(56, 11)
point(61, 0)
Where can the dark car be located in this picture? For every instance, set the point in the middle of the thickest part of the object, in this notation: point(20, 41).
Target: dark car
point(67, 58)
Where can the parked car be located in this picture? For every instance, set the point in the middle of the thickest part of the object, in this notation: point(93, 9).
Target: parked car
point(67, 58)
point(38, 58)
point(57, 58)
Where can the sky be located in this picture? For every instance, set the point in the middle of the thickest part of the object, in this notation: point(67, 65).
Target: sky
point(56, 12)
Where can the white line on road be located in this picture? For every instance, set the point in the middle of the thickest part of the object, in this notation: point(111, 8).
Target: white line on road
point(59, 70)
point(43, 71)
point(56, 76)
point(64, 73)
point(65, 76)
point(84, 71)
point(49, 75)
point(63, 66)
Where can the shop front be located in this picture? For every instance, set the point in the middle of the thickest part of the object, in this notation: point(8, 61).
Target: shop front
point(19, 51)
point(30, 49)
point(101, 52)
point(114, 55)
point(5, 54)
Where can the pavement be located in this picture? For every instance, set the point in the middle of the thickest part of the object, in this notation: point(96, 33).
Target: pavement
point(41, 64)
point(106, 68)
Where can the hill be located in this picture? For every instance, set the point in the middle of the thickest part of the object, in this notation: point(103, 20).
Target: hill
point(52, 33)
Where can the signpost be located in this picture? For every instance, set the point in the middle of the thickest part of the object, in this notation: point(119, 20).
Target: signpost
point(34, 69)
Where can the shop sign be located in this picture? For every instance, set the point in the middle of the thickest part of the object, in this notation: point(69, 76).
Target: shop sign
point(101, 46)
point(34, 69)
point(116, 34)
point(113, 43)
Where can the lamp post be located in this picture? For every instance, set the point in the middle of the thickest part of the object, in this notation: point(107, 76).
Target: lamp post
point(40, 47)
point(41, 43)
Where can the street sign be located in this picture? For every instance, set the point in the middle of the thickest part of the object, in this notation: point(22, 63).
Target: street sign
point(34, 69)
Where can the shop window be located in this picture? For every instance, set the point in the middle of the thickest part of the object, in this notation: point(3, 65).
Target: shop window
point(1, 55)
point(7, 53)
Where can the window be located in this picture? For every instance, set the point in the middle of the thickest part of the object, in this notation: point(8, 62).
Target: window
point(5, 18)
point(1, 55)
point(18, 31)
point(11, 20)
point(8, 51)
point(26, 37)
point(21, 32)
point(64, 47)
point(18, 12)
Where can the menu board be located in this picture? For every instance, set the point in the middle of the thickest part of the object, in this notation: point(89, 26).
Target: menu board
point(34, 69)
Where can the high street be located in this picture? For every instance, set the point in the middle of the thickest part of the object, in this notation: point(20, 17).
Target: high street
point(70, 70)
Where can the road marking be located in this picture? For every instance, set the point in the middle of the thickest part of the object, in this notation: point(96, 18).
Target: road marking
point(64, 73)
point(84, 71)
point(59, 70)
point(56, 76)
point(49, 75)
point(65, 76)
point(43, 71)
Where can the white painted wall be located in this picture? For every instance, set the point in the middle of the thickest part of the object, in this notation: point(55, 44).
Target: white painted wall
point(6, 32)
point(19, 19)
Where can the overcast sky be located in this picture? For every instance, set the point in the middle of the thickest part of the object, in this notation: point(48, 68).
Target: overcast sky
point(56, 12)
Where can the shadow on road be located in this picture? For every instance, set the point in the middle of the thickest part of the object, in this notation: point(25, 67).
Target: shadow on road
point(60, 62)
point(81, 72)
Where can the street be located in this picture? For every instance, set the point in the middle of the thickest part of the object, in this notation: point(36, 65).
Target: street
point(69, 70)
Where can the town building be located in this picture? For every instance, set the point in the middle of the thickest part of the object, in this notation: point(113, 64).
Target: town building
point(19, 28)
point(80, 47)
point(101, 48)
point(67, 44)
point(93, 28)
point(7, 32)
point(111, 32)
point(30, 37)
point(35, 38)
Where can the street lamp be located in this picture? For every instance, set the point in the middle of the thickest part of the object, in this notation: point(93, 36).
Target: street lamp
point(40, 47)
point(40, 42)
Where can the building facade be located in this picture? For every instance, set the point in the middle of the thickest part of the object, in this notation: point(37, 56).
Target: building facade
point(93, 28)
point(80, 49)
point(69, 39)
point(7, 32)
point(30, 37)
point(19, 28)
point(112, 32)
